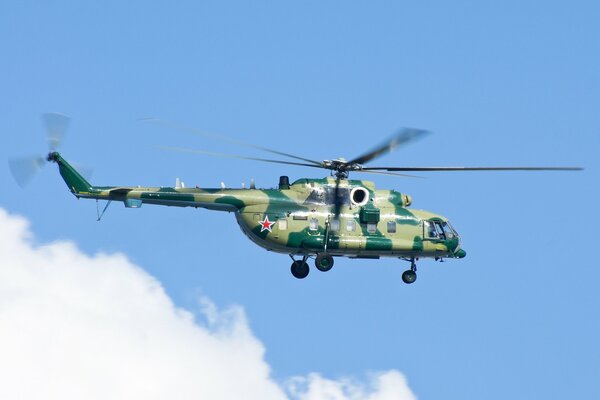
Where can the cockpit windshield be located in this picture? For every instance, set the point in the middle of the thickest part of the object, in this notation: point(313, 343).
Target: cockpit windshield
point(439, 230)
point(448, 230)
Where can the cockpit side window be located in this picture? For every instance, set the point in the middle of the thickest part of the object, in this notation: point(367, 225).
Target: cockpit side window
point(430, 231)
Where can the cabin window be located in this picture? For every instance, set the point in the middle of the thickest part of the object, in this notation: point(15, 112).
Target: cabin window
point(282, 224)
point(371, 228)
point(314, 224)
point(391, 227)
point(334, 225)
point(350, 225)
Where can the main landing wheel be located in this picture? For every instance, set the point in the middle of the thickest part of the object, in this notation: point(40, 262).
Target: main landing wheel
point(324, 262)
point(300, 269)
point(409, 276)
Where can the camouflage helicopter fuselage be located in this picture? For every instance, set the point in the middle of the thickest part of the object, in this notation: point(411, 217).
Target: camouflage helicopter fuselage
point(310, 218)
point(300, 218)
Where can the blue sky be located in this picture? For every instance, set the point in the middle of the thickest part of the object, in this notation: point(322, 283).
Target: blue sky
point(498, 84)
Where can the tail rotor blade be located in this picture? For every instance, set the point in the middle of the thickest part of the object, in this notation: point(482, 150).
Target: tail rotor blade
point(23, 169)
point(56, 125)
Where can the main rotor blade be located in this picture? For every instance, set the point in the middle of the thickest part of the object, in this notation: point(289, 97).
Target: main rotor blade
point(404, 136)
point(56, 125)
point(23, 169)
point(430, 169)
point(193, 151)
point(224, 138)
point(388, 173)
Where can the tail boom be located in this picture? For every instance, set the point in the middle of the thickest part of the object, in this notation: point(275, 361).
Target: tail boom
point(231, 200)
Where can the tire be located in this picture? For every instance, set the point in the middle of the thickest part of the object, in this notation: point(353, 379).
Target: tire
point(409, 277)
point(300, 269)
point(324, 262)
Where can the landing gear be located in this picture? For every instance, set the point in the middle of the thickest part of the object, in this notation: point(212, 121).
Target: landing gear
point(410, 275)
point(300, 268)
point(324, 262)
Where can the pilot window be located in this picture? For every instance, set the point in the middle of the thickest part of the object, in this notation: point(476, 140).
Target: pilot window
point(438, 230)
point(314, 224)
point(430, 230)
point(391, 227)
point(447, 229)
point(371, 228)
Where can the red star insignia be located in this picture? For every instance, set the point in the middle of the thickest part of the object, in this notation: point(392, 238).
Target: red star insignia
point(266, 225)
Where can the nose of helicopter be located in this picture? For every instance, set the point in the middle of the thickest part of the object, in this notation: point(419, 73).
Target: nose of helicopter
point(454, 246)
point(460, 253)
point(454, 243)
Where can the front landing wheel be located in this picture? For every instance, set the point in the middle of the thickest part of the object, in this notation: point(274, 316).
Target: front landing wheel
point(300, 269)
point(409, 276)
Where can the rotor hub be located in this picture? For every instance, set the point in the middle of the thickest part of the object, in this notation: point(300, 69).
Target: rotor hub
point(340, 167)
point(52, 156)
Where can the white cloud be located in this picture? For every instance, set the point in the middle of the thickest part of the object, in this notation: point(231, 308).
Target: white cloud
point(74, 326)
point(389, 385)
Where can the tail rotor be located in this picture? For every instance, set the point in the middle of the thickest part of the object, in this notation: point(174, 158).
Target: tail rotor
point(56, 126)
point(23, 169)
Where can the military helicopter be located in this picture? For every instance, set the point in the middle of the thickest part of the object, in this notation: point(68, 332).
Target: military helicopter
point(310, 218)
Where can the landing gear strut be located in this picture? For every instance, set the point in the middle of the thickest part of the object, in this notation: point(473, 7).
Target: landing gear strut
point(300, 268)
point(410, 275)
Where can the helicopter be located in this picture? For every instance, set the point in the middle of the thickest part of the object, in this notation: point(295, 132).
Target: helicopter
point(310, 218)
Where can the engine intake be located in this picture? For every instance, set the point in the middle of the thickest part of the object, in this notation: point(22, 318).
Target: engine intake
point(359, 196)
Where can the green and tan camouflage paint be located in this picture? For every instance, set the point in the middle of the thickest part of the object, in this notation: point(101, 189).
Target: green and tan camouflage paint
point(296, 220)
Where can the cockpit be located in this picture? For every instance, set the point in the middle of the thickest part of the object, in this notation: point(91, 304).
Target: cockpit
point(438, 230)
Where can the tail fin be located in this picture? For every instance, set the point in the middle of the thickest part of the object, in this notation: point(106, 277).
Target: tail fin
point(75, 182)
